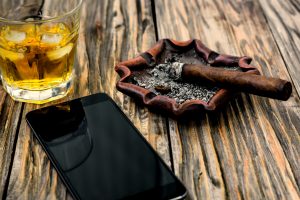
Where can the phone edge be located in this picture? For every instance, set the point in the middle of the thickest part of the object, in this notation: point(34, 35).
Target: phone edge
point(53, 164)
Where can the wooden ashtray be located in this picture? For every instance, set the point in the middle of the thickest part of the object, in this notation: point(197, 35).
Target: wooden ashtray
point(160, 98)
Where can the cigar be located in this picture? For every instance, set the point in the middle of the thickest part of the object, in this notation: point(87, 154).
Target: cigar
point(233, 80)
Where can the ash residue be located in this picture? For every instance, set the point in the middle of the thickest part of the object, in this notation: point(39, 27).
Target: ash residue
point(158, 81)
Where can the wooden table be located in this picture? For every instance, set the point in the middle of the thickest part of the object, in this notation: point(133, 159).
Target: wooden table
point(250, 150)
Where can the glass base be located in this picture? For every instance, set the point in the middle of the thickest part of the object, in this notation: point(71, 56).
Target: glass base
point(38, 96)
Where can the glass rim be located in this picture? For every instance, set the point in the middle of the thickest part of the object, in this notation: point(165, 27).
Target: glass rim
point(51, 19)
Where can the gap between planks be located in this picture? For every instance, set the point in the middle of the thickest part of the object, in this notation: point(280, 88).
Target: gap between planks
point(167, 119)
point(5, 189)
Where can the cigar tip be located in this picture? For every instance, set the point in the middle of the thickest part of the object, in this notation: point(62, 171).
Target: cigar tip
point(287, 91)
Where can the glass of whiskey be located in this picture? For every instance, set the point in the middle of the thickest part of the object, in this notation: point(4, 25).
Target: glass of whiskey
point(37, 48)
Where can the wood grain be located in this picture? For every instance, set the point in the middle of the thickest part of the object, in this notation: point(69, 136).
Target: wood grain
point(10, 112)
point(111, 31)
point(279, 121)
point(283, 18)
point(250, 150)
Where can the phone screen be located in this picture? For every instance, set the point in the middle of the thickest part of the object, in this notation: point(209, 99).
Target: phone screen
point(99, 154)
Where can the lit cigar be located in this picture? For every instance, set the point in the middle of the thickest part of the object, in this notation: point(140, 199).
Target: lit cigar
point(233, 80)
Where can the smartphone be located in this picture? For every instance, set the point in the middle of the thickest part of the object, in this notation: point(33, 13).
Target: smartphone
point(99, 154)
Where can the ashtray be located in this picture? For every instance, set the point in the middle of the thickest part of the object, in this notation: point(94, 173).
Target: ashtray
point(145, 79)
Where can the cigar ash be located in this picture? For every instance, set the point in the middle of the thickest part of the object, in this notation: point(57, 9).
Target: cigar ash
point(161, 81)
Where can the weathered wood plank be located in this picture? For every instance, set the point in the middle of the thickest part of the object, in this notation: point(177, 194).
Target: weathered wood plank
point(110, 31)
point(283, 18)
point(278, 121)
point(10, 112)
point(250, 149)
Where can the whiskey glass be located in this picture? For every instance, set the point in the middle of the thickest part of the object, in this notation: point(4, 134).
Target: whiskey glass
point(37, 48)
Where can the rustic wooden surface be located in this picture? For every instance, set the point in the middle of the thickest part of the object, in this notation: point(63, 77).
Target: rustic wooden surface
point(250, 150)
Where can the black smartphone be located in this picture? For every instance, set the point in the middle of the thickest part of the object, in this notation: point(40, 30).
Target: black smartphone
point(99, 154)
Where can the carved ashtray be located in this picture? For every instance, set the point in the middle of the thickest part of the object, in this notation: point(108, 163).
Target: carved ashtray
point(178, 78)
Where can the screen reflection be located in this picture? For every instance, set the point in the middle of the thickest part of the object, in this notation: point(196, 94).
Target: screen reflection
point(101, 153)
